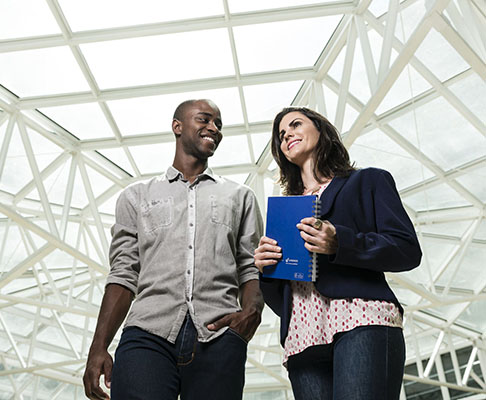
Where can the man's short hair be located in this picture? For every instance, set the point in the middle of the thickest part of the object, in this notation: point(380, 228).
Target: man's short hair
point(181, 108)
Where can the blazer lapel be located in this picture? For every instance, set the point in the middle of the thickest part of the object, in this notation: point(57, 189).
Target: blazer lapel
point(329, 194)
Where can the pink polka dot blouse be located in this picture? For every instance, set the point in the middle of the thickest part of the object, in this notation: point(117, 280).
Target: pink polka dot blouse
point(316, 319)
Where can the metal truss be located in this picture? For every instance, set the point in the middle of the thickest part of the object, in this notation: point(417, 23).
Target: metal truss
point(53, 254)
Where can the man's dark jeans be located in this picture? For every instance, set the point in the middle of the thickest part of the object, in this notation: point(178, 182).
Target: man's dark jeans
point(365, 363)
point(148, 367)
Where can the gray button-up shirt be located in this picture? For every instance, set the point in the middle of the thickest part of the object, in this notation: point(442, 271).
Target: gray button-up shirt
point(182, 247)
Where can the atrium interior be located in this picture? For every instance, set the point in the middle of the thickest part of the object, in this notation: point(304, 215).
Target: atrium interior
point(87, 92)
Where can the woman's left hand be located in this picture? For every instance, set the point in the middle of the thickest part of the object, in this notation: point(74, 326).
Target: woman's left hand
point(322, 240)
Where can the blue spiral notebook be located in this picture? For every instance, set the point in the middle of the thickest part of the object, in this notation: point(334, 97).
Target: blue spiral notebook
point(283, 214)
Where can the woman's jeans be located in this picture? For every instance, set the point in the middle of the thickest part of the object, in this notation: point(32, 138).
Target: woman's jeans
point(148, 367)
point(365, 363)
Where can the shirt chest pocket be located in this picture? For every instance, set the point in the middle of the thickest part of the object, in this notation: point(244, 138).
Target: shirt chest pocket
point(157, 214)
point(223, 212)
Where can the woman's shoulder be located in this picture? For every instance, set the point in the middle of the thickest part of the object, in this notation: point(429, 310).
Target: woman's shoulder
point(368, 173)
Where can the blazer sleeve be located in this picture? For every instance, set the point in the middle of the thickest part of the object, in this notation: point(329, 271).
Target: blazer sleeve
point(392, 244)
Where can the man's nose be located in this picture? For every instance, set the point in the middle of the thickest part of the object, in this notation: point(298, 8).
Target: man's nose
point(212, 127)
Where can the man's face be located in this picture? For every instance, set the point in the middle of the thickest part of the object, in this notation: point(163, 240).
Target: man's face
point(200, 129)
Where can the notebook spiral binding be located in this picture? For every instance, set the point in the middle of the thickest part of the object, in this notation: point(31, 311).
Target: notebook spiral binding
point(316, 208)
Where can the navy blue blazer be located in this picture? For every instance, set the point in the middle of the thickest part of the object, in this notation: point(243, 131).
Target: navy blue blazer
point(374, 235)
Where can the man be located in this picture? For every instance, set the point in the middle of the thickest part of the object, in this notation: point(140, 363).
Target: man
point(183, 245)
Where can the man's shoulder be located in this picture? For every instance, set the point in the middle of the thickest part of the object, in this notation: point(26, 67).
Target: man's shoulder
point(141, 186)
point(232, 185)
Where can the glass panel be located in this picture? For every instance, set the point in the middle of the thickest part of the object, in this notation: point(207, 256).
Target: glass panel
point(16, 171)
point(379, 7)
point(376, 149)
point(472, 91)
point(282, 45)
point(56, 71)
point(56, 184)
point(445, 136)
point(474, 316)
point(439, 197)
point(408, 84)
point(409, 17)
point(233, 150)
point(481, 232)
point(94, 14)
point(26, 18)
point(237, 6)
point(472, 182)
point(154, 113)
point(153, 158)
point(240, 178)
point(440, 57)
point(457, 228)
point(259, 142)
point(263, 102)
point(159, 59)
point(460, 276)
point(118, 157)
point(85, 121)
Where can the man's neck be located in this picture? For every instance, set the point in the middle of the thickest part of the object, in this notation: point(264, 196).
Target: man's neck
point(191, 169)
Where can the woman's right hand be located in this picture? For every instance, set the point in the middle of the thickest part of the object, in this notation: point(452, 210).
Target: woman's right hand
point(267, 253)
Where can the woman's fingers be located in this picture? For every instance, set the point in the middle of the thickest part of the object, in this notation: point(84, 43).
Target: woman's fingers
point(267, 253)
point(322, 240)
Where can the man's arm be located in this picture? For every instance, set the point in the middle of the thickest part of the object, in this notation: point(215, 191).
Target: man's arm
point(114, 308)
point(246, 321)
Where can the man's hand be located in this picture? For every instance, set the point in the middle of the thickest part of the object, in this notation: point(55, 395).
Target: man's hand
point(99, 363)
point(244, 322)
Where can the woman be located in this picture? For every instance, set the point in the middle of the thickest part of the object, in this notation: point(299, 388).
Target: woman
point(342, 335)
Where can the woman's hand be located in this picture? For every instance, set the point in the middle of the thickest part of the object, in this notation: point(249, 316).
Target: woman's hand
point(322, 240)
point(267, 253)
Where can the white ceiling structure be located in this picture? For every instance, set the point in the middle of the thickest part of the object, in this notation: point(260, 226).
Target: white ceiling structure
point(86, 97)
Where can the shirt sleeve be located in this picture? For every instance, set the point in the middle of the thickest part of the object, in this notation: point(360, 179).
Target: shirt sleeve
point(123, 254)
point(250, 232)
point(392, 245)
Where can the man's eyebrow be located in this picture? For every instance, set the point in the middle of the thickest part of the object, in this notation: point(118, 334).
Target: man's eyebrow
point(209, 115)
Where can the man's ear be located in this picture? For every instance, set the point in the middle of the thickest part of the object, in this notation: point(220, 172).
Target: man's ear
point(176, 127)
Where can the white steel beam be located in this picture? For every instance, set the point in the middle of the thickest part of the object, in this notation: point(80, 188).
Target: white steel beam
point(296, 74)
point(402, 59)
point(56, 242)
point(183, 25)
point(23, 266)
point(37, 178)
point(386, 48)
point(6, 143)
point(461, 46)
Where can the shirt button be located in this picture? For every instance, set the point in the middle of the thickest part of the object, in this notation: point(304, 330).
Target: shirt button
point(188, 272)
point(190, 205)
point(191, 224)
point(190, 246)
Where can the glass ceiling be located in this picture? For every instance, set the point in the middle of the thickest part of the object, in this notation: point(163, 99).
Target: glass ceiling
point(87, 91)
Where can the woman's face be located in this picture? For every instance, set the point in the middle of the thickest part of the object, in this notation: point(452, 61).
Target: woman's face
point(298, 137)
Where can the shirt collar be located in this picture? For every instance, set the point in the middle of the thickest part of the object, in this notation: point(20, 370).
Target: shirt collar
point(173, 174)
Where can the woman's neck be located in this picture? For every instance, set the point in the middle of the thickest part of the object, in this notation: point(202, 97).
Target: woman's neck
point(311, 183)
